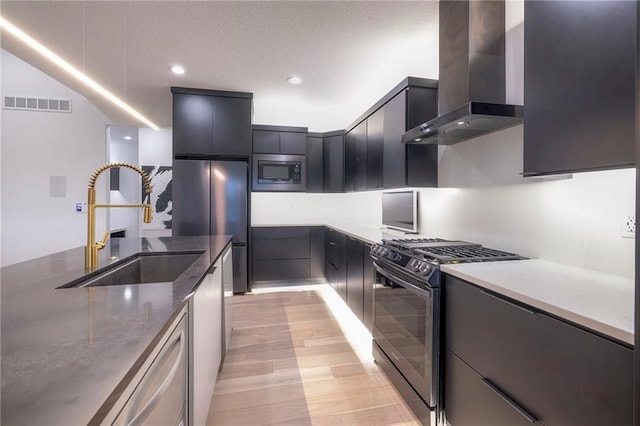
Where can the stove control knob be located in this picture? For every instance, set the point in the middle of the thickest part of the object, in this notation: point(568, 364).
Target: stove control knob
point(424, 269)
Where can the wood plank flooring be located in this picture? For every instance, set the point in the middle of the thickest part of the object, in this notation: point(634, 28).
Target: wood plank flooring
point(289, 363)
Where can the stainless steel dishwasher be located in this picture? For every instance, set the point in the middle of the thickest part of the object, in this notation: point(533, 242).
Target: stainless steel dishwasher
point(160, 397)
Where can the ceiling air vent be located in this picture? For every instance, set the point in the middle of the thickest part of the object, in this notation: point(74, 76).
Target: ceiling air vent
point(30, 103)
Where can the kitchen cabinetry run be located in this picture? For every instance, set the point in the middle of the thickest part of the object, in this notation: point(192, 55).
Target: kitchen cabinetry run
point(211, 122)
point(508, 363)
point(279, 140)
point(579, 86)
point(285, 253)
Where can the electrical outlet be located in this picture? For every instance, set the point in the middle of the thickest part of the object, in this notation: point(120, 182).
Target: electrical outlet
point(629, 227)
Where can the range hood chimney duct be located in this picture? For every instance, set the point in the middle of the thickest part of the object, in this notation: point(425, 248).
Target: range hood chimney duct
point(472, 84)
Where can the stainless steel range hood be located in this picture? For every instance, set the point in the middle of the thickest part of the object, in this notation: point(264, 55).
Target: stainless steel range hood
point(471, 87)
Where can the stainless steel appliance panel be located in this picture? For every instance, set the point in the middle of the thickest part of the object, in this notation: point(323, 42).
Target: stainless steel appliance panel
point(405, 326)
point(240, 267)
point(229, 199)
point(281, 177)
point(191, 197)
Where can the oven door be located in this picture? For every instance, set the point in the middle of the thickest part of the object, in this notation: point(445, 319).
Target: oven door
point(406, 327)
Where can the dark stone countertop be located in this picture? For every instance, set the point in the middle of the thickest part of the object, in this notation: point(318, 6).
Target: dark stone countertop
point(64, 351)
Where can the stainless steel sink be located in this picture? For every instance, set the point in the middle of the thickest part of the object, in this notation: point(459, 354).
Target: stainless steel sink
point(143, 268)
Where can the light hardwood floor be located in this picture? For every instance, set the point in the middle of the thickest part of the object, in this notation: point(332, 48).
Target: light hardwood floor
point(289, 363)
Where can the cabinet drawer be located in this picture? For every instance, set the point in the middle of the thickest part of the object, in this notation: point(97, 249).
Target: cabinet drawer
point(566, 375)
point(274, 270)
point(278, 232)
point(470, 401)
point(280, 249)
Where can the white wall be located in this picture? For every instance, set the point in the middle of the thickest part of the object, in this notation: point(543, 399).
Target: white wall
point(155, 149)
point(35, 146)
point(122, 150)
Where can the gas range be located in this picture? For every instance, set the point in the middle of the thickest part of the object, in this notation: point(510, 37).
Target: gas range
point(421, 258)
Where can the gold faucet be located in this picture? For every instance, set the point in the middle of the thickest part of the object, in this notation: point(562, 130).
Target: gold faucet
point(92, 247)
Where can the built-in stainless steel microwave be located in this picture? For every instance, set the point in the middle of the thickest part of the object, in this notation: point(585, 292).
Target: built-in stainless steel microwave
point(279, 172)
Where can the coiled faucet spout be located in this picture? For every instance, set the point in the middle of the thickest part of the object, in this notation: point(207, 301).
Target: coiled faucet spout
point(92, 247)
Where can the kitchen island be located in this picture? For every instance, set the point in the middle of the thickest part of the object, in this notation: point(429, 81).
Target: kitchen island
point(67, 353)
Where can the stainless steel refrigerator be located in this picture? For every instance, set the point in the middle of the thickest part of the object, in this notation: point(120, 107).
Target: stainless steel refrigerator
point(211, 197)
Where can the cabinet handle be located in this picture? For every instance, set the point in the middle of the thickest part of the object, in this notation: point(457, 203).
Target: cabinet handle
point(513, 404)
point(331, 243)
point(522, 308)
point(146, 410)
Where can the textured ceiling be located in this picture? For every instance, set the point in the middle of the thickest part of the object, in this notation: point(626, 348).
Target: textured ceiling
point(348, 53)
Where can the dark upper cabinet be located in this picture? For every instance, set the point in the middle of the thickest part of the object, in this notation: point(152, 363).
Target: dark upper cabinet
point(266, 142)
point(356, 158)
point(314, 157)
point(552, 370)
point(211, 122)
point(232, 126)
point(375, 147)
point(422, 160)
point(293, 143)
point(579, 86)
point(333, 147)
point(192, 124)
point(394, 155)
point(279, 140)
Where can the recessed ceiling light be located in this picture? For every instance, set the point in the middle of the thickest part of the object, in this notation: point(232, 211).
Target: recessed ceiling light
point(79, 75)
point(294, 79)
point(127, 138)
point(460, 123)
point(177, 69)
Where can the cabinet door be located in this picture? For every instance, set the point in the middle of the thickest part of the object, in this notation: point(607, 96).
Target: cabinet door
point(394, 152)
point(232, 127)
point(333, 163)
point(207, 340)
point(561, 373)
point(367, 281)
point(266, 142)
point(375, 146)
point(350, 167)
point(227, 287)
point(355, 290)
point(293, 143)
point(316, 248)
point(360, 157)
point(191, 197)
point(314, 156)
point(192, 124)
point(579, 86)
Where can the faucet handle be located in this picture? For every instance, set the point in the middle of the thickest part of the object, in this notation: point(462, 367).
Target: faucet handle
point(146, 213)
point(100, 244)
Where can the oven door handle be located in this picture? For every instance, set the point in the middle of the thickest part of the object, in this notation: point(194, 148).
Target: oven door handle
point(395, 278)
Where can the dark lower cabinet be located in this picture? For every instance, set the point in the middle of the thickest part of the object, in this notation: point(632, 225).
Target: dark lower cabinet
point(367, 284)
point(335, 261)
point(489, 407)
point(355, 288)
point(554, 371)
point(287, 253)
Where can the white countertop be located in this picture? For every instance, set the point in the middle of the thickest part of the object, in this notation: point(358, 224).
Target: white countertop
point(595, 300)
